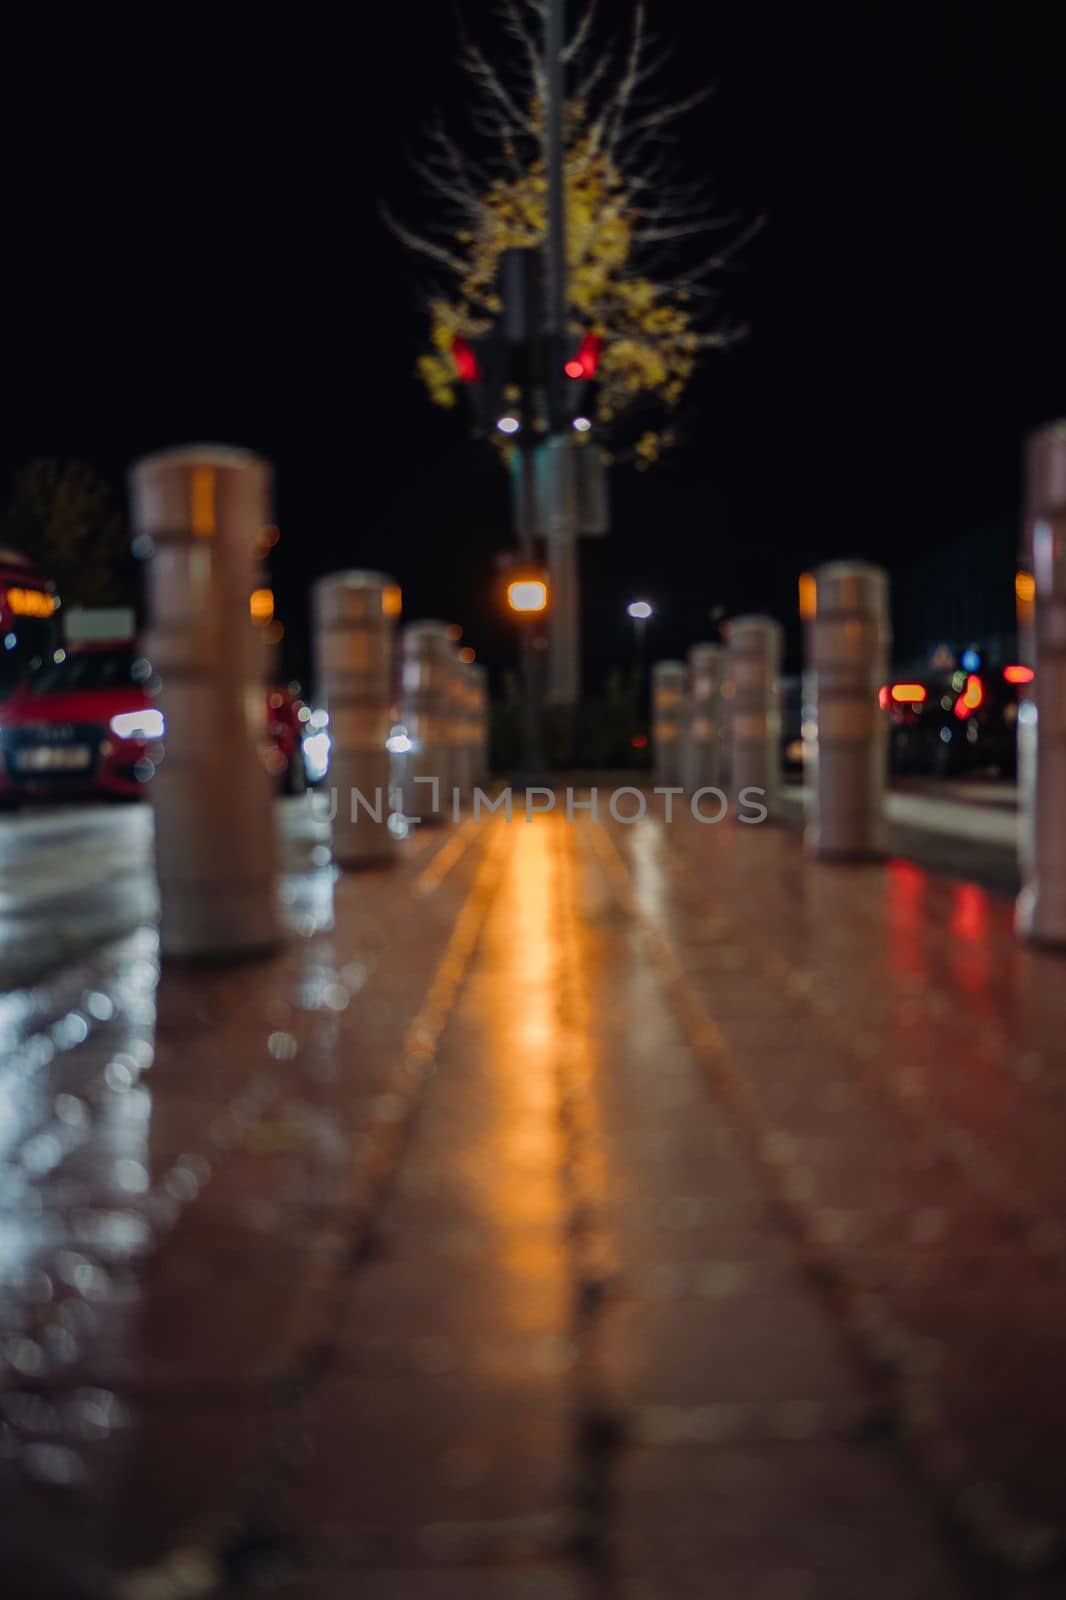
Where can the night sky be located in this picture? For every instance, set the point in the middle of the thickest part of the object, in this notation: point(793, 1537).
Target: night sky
point(193, 249)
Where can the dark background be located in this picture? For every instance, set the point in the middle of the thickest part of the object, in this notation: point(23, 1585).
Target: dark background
point(193, 249)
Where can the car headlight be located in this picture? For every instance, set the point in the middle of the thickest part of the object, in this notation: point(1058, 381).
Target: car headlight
point(147, 724)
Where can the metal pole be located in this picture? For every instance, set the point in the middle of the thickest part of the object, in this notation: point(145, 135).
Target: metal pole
point(640, 629)
point(1041, 909)
point(524, 499)
point(532, 757)
point(564, 669)
point(198, 512)
point(523, 493)
point(564, 686)
point(554, 79)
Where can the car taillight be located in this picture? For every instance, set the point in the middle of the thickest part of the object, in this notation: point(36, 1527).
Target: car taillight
point(1018, 674)
point(971, 698)
point(908, 694)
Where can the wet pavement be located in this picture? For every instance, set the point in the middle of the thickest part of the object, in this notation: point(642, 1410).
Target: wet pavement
point(570, 1210)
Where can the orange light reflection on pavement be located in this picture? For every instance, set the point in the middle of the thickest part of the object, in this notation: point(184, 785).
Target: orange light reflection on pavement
point(517, 1159)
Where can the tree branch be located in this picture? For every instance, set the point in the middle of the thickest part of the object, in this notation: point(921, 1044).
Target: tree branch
point(424, 247)
point(514, 25)
point(580, 39)
point(664, 114)
point(630, 77)
point(483, 74)
point(680, 230)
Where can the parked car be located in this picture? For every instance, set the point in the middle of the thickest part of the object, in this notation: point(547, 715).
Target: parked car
point(29, 619)
point(286, 730)
point(954, 722)
point(87, 725)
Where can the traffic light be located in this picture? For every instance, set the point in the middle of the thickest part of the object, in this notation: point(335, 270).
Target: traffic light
point(579, 369)
point(586, 359)
point(467, 365)
point(510, 370)
point(502, 368)
point(480, 366)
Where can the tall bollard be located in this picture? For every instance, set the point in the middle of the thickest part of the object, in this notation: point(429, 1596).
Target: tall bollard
point(667, 712)
point(845, 746)
point(196, 515)
point(470, 767)
point(425, 711)
point(753, 670)
point(354, 615)
point(701, 764)
point(480, 692)
point(1041, 908)
point(458, 742)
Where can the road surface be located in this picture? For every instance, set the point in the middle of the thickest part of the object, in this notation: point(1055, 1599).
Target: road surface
point(571, 1210)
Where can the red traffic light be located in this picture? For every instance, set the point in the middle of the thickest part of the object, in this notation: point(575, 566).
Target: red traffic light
point(584, 364)
point(466, 362)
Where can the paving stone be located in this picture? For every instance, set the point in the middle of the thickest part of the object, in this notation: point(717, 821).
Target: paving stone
point(804, 1522)
point(443, 1448)
point(539, 1583)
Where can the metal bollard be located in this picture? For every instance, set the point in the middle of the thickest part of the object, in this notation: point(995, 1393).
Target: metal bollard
point(472, 771)
point(425, 711)
point(753, 667)
point(667, 714)
point(196, 515)
point(354, 615)
point(461, 762)
point(1041, 907)
point(701, 762)
point(458, 751)
point(845, 744)
point(479, 678)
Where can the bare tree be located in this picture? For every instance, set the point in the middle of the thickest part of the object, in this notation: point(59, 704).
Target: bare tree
point(639, 270)
point(65, 517)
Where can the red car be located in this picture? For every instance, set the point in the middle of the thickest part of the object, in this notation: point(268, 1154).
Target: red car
point(285, 731)
point(87, 725)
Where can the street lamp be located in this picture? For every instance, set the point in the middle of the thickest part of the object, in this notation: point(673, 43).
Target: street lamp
point(527, 594)
point(528, 598)
point(640, 611)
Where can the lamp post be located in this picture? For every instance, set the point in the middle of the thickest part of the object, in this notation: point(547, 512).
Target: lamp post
point(641, 612)
point(527, 599)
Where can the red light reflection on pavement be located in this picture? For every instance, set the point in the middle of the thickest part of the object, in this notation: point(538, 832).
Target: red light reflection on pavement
point(972, 947)
point(908, 887)
point(970, 918)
